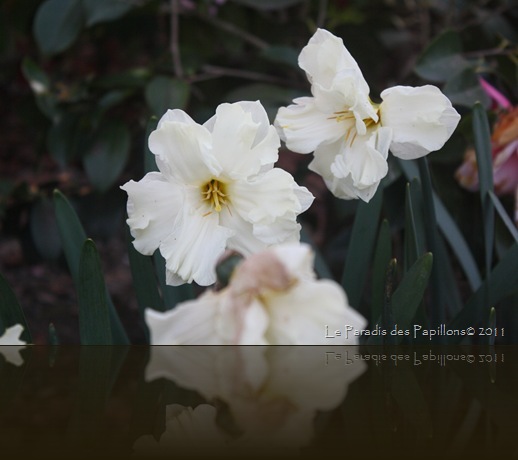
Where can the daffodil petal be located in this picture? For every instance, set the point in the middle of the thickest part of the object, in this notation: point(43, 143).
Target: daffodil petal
point(324, 57)
point(422, 119)
point(191, 323)
point(356, 171)
point(182, 152)
point(193, 246)
point(266, 197)
point(235, 139)
point(304, 127)
point(300, 316)
point(153, 204)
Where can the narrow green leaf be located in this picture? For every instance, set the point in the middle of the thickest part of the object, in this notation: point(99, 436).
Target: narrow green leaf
point(11, 312)
point(504, 216)
point(409, 294)
point(72, 234)
point(57, 25)
point(449, 230)
point(458, 244)
point(387, 313)
point(172, 295)
point(382, 256)
point(450, 296)
point(385, 320)
point(360, 249)
point(94, 318)
point(144, 282)
point(482, 137)
point(107, 156)
point(411, 250)
point(163, 93)
point(437, 294)
point(73, 237)
point(502, 281)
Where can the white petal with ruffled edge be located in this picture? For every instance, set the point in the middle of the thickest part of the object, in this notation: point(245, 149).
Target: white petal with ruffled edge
point(304, 127)
point(183, 152)
point(422, 119)
point(194, 245)
point(243, 139)
point(153, 204)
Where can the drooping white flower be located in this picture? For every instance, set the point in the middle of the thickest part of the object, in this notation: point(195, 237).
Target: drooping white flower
point(273, 298)
point(216, 189)
point(10, 344)
point(348, 133)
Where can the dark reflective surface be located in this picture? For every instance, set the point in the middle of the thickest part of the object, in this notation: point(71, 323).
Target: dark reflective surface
point(285, 402)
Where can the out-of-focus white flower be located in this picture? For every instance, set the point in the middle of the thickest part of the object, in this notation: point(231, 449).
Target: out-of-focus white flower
point(216, 189)
point(272, 393)
point(188, 432)
point(348, 133)
point(273, 298)
point(11, 336)
point(10, 344)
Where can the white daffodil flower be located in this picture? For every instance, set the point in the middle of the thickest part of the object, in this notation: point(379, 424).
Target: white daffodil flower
point(273, 298)
point(217, 189)
point(348, 133)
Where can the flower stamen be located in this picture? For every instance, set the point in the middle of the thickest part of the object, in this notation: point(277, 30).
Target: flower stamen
point(214, 192)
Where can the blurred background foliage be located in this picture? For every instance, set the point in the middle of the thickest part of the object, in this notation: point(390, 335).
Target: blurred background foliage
point(81, 79)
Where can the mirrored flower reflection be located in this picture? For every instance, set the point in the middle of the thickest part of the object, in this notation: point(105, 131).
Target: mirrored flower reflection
point(273, 298)
point(349, 134)
point(216, 189)
point(272, 393)
point(188, 432)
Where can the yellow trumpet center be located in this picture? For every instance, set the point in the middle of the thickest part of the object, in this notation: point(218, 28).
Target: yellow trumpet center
point(214, 192)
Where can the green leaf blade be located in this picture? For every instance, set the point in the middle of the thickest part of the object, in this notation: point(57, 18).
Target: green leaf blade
point(73, 237)
point(94, 318)
point(11, 312)
point(361, 246)
point(410, 292)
